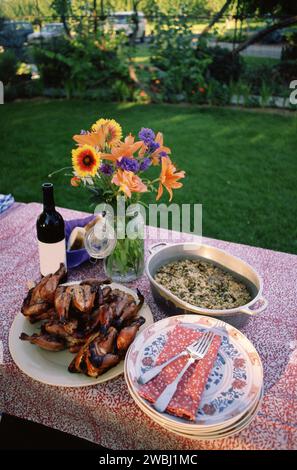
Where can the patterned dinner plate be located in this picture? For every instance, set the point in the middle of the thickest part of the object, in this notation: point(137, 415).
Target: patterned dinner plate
point(235, 428)
point(200, 433)
point(233, 387)
point(52, 367)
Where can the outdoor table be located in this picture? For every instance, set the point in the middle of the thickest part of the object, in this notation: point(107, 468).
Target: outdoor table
point(105, 413)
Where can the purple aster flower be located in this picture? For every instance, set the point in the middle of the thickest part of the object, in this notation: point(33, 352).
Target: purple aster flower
point(128, 164)
point(152, 146)
point(106, 169)
point(145, 164)
point(163, 154)
point(146, 135)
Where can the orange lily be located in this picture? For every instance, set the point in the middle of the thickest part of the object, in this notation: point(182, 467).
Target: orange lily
point(123, 149)
point(128, 182)
point(169, 178)
point(95, 139)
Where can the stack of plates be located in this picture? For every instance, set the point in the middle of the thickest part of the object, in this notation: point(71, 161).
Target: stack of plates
point(233, 393)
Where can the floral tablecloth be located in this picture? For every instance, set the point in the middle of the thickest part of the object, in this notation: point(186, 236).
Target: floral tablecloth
point(106, 414)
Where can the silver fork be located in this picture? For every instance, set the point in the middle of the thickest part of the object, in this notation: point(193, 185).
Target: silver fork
point(196, 353)
point(155, 370)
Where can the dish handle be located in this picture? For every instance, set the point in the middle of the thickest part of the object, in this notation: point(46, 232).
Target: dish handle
point(249, 311)
point(153, 248)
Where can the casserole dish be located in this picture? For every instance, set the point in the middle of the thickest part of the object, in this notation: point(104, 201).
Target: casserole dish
point(163, 253)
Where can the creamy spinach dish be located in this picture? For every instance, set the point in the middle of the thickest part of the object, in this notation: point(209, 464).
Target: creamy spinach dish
point(203, 284)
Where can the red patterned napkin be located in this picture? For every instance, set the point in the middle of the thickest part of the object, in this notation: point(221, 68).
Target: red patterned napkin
point(187, 397)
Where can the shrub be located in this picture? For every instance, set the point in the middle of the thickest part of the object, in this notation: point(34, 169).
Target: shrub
point(224, 66)
point(8, 67)
point(287, 71)
point(53, 71)
point(179, 72)
point(86, 64)
point(289, 51)
point(218, 94)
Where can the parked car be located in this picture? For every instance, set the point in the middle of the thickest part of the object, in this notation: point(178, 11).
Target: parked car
point(13, 34)
point(124, 21)
point(47, 33)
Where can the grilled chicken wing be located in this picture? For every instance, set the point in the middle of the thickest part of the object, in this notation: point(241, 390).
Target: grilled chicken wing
point(57, 328)
point(45, 341)
point(103, 363)
point(83, 298)
point(78, 363)
point(130, 311)
point(92, 357)
point(41, 297)
point(99, 356)
point(127, 335)
point(62, 301)
point(49, 314)
point(106, 316)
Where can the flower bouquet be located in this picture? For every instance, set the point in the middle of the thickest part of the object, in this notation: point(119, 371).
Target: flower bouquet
point(110, 166)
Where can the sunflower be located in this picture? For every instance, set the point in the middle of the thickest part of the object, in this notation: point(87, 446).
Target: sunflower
point(114, 130)
point(85, 161)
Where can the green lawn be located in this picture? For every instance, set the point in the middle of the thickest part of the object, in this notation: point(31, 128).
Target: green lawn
point(254, 62)
point(240, 165)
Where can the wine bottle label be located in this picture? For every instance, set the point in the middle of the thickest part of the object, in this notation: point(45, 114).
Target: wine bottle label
point(51, 255)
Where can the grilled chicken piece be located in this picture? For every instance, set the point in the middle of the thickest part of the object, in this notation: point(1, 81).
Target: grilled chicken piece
point(130, 311)
point(62, 301)
point(127, 335)
point(120, 300)
point(103, 363)
point(45, 341)
point(41, 297)
point(106, 316)
point(95, 357)
point(93, 323)
point(49, 314)
point(96, 285)
point(99, 356)
point(78, 363)
point(57, 328)
point(83, 298)
point(35, 308)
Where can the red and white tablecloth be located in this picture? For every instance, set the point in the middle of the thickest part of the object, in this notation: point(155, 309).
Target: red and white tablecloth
point(105, 413)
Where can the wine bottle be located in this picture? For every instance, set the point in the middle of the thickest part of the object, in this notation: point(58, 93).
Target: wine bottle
point(50, 234)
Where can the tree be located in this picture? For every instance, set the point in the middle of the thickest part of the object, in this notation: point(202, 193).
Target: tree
point(218, 16)
point(282, 13)
point(264, 32)
point(63, 9)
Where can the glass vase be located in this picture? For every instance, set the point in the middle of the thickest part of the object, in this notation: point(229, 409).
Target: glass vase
point(126, 262)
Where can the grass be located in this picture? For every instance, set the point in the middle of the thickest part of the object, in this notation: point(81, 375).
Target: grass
point(241, 165)
point(254, 62)
point(141, 54)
